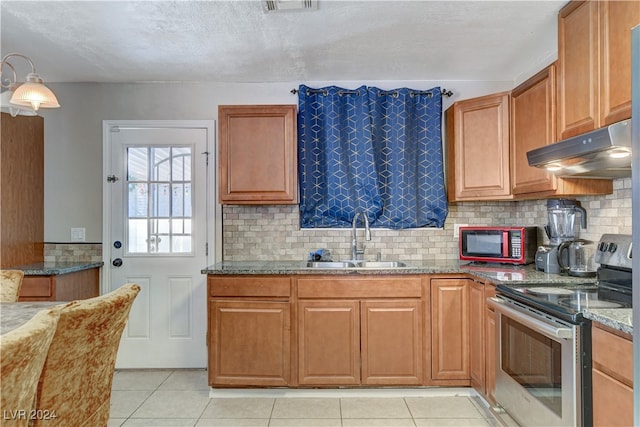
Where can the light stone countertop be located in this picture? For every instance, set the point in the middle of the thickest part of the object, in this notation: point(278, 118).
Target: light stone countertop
point(15, 314)
point(56, 268)
point(620, 319)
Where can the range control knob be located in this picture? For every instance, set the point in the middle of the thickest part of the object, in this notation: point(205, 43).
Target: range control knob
point(612, 247)
point(602, 247)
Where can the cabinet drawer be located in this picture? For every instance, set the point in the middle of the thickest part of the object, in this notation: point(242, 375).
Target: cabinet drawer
point(350, 287)
point(249, 286)
point(36, 287)
point(613, 355)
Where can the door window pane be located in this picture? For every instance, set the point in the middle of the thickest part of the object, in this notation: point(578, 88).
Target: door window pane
point(159, 204)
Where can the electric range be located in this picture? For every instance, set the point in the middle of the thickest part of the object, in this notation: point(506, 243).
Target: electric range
point(613, 288)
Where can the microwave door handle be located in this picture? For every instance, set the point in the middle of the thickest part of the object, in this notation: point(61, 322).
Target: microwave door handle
point(529, 321)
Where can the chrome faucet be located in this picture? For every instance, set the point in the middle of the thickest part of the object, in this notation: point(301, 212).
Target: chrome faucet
point(355, 251)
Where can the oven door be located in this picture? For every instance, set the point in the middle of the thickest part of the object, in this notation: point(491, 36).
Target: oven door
point(537, 365)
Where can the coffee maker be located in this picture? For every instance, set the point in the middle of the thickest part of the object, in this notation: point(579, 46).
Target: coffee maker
point(562, 227)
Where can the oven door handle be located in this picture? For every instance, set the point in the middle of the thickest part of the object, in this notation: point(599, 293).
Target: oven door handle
point(529, 321)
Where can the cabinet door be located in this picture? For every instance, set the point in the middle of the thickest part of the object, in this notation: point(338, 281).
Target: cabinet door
point(612, 401)
point(533, 119)
point(258, 154)
point(478, 134)
point(617, 18)
point(476, 335)
point(490, 346)
point(249, 343)
point(450, 329)
point(392, 342)
point(329, 342)
point(578, 99)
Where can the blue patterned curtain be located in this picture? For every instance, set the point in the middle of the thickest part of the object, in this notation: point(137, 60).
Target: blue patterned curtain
point(370, 150)
point(407, 144)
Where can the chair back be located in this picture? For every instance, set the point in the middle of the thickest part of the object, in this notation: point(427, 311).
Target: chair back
point(78, 373)
point(22, 355)
point(10, 284)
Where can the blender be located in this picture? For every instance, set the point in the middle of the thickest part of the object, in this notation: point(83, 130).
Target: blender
point(562, 227)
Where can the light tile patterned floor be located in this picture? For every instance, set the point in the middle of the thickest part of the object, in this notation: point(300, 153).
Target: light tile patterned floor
point(178, 398)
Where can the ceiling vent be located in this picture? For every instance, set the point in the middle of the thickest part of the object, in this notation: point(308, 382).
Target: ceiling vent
point(289, 5)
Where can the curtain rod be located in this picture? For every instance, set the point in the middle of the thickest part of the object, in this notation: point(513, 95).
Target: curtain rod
point(443, 92)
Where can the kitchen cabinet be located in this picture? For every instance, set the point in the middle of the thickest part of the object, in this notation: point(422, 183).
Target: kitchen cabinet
point(594, 64)
point(477, 335)
point(490, 346)
point(249, 332)
point(478, 149)
point(257, 154)
point(61, 287)
point(329, 342)
point(450, 330)
point(482, 339)
point(21, 190)
point(360, 331)
point(612, 376)
point(533, 124)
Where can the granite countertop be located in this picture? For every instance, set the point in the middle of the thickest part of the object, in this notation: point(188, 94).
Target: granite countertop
point(16, 314)
point(495, 273)
point(620, 319)
point(56, 268)
point(510, 275)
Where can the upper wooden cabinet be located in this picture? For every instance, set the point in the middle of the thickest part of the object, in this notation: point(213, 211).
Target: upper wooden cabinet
point(257, 154)
point(533, 124)
point(478, 149)
point(22, 190)
point(594, 64)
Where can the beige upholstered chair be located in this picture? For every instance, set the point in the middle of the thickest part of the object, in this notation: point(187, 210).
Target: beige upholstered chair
point(10, 283)
point(22, 355)
point(77, 375)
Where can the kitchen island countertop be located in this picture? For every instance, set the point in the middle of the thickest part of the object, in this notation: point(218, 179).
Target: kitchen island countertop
point(56, 268)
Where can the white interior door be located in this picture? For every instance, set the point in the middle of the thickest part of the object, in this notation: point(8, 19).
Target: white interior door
point(158, 237)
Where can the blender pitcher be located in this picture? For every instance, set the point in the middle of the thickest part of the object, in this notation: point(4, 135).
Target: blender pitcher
point(562, 220)
point(580, 256)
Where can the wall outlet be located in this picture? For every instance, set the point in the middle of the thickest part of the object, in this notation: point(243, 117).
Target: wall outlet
point(78, 234)
point(456, 229)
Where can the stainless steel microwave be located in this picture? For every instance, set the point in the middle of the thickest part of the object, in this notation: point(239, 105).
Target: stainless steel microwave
point(509, 245)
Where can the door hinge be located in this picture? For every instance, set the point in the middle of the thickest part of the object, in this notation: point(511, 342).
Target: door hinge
point(112, 178)
point(207, 154)
point(206, 249)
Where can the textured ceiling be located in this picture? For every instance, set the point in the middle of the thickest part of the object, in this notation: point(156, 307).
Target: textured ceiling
point(236, 41)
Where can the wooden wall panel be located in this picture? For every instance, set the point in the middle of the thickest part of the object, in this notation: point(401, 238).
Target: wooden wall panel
point(21, 190)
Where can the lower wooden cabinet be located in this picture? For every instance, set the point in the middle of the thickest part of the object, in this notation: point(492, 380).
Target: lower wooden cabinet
point(249, 343)
point(356, 340)
point(81, 284)
point(476, 335)
point(490, 346)
point(329, 342)
point(391, 334)
point(450, 330)
point(612, 376)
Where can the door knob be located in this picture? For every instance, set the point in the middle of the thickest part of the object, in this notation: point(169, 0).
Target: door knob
point(117, 262)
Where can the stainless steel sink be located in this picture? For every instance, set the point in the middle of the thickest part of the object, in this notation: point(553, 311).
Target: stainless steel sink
point(330, 264)
point(355, 264)
point(381, 264)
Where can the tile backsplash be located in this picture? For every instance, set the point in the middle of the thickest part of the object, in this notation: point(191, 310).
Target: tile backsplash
point(273, 232)
point(72, 252)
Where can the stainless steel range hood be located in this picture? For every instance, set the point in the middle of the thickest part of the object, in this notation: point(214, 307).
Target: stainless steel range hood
point(602, 153)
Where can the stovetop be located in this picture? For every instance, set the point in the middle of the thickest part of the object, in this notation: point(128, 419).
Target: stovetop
point(612, 290)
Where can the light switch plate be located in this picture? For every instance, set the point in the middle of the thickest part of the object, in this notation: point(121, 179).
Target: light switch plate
point(78, 234)
point(456, 229)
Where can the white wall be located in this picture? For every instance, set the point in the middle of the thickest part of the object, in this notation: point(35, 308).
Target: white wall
point(73, 133)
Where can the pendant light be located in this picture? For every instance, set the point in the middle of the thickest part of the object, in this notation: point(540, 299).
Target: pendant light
point(32, 94)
